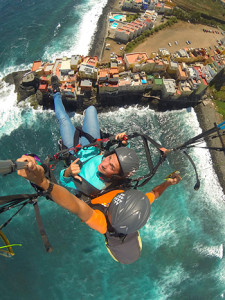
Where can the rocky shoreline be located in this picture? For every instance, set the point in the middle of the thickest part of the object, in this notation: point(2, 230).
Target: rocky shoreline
point(207, 117)
point(99, 36)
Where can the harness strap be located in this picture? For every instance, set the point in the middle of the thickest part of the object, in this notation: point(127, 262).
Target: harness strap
point(79, 133)
point(41, 229)
point(147, 152)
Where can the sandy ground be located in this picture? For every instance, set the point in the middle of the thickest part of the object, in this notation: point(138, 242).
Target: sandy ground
point(180, 32)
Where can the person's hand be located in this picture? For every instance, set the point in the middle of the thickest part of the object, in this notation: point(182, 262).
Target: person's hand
point(73, 170)
point(122, 137)
point(33, 172)
point(174, 179)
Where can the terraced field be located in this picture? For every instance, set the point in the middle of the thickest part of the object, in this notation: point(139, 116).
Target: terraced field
point(212, 8)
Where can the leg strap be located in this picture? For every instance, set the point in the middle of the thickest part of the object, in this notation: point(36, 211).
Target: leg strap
point(41, 229)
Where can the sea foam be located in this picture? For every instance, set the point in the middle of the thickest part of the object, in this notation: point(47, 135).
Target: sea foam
point(80, 36)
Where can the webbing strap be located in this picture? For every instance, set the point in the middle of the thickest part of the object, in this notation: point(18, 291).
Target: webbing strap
point(153, 169)
point(148, 156)
point(41, 229)
point(79, 133)
point(136, 134)
point(151, 174)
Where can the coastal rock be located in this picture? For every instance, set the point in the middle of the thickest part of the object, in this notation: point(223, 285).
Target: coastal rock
point(28, 86)
point(15, 78)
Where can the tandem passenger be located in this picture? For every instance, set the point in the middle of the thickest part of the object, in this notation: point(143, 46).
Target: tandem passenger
point(118, 214)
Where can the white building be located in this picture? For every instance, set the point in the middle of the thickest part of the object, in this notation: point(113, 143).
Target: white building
point(88, 71)
point(169, 87)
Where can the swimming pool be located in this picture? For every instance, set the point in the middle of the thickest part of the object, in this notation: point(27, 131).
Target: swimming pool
point(118, 17)
point(114, 25)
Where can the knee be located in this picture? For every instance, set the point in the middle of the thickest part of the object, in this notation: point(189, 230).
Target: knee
point(91, 109)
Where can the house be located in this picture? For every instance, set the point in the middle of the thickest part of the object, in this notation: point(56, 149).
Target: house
point(181, 74)
point(36, 65)
point(48, 69)
point(173, 67)
point(86, 85)
point(88, 71)
point(168, 87)
point(92, 61)
point(75, 61)
point(185, 88)
point(164, 52)
point(65, 67)
point(157, 84)
point(103, 75)
point(134, 58)
point(122, 35)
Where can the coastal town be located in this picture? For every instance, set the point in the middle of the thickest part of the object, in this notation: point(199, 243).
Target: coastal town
point(182, 75)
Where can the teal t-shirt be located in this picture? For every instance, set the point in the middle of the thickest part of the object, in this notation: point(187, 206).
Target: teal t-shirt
point(88, 171)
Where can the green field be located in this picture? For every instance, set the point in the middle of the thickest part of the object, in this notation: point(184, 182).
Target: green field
point(221, 107)
point(209, 7)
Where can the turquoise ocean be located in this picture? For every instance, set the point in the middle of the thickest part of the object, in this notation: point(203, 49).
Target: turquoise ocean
point(183, 254)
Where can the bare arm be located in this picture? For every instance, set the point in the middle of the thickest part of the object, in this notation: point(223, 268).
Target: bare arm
point(159, 189)
point(60, 195)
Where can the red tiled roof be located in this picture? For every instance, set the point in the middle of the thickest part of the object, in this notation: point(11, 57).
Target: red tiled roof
point(136, 57)
point(204, 81)
point(36, 65)
point(43, 87)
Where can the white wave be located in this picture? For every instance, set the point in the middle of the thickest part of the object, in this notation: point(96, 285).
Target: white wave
point(171, 278)
point(81, 38)
point(211, 251)
point(188, 125)
point(209, 178)
point(15, 68)
point(57, 28)
point(10, 113)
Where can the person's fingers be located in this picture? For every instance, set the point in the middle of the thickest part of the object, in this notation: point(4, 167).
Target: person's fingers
point(78, 178)
point(75, 161)
point(120, 136)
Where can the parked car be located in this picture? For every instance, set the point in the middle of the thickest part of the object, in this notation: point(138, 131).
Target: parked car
point(170, 44)
point(176, 42)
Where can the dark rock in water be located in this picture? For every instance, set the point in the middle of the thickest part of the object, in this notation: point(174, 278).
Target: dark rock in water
point(39, 97)
point(15, 78)
point(24, 92)
point(28, 86)
point(26, 83)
